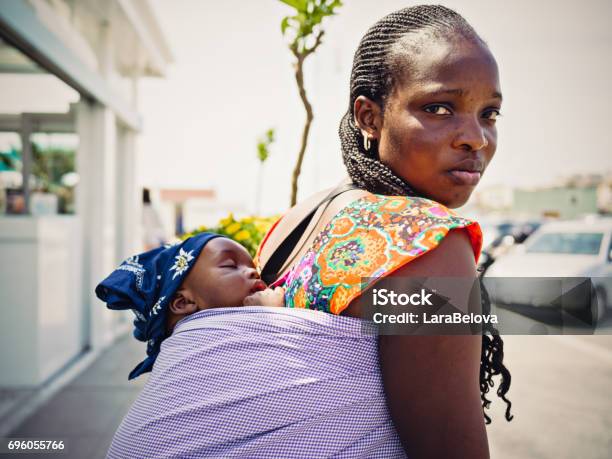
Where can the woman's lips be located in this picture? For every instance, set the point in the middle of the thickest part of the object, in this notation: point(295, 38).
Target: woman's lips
point(465, 177)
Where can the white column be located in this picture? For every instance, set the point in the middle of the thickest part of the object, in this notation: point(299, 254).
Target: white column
point(128, 205)
point(129, 196)
point(96, 206)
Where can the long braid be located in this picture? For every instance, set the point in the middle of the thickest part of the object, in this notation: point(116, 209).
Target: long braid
point(374, 75)
point(492, 360)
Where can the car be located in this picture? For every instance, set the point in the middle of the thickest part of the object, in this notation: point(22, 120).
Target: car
point(563, 249)
point(494, 230)
point(499, 239)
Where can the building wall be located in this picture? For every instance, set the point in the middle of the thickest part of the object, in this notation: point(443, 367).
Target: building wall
point(42, 315)
point(565, 202)
point(52, 265)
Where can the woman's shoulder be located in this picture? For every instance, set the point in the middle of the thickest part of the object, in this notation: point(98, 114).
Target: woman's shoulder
point(408, 223)
point(371, 237)
point(406, 206)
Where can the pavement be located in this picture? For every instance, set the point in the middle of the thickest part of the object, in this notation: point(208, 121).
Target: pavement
point(561, 393)
point(87, 411)
point(562, 399)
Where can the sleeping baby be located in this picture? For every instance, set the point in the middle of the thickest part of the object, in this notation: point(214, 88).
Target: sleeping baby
point(166, 284)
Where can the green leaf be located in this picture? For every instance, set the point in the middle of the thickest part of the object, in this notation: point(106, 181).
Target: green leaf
point(284, 24)
point(301, 18)
point(329, 8)
point(263, 145)
point(262, 152)
point(299, 5)
point(292, 3)
point(317, 16)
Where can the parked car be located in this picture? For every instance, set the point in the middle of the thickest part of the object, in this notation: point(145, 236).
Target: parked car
point(566, 249)
point(492, 231)
point(507, 235)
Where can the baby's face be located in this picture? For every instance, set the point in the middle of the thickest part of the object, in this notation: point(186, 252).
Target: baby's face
point(224, 274)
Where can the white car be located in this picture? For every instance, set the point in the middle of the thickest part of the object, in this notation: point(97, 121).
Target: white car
point(563, 249)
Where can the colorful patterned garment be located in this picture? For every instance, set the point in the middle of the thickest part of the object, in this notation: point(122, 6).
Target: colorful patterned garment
point(371, 237)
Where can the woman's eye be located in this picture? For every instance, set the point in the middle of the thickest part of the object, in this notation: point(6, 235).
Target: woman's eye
point(437, 109)
point(229, 265)
point(492, 114)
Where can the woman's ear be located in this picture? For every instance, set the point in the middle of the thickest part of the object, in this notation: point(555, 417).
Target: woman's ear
point(182, 305)
point(368, 117)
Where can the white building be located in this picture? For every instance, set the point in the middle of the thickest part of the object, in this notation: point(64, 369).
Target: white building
point(51, 264)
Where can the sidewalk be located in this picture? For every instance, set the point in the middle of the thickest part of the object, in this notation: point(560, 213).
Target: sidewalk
point(86, 413)
point(560, 395)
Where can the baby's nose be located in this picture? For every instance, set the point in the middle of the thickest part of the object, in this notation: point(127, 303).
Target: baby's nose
point(252, 273)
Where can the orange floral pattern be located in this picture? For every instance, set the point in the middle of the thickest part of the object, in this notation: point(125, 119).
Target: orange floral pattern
point(370, 238)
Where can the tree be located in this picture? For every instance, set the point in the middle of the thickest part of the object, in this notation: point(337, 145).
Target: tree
point(306, 33)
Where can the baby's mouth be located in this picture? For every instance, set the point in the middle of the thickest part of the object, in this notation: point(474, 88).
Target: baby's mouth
point(258, 286)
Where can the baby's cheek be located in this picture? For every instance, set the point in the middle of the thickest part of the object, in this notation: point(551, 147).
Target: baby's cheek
point(221, 296)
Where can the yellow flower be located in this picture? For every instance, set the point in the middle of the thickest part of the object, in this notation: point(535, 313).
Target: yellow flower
point(233, 228)
point(242, 235)
point(262, 227)
point(247, 220)
point(227, 220)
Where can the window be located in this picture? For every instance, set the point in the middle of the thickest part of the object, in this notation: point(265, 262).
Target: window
point(53, 170)
point(11, 190)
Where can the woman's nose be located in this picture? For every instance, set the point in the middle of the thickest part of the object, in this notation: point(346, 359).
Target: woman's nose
point(471, 136)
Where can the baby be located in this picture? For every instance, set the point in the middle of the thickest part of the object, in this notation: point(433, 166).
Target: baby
point(166, 284)
point(224, 275)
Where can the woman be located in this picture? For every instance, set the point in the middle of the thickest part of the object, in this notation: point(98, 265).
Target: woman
point(261, 382)
point(420, 127)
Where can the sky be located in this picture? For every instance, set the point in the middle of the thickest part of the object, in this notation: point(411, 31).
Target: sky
point(232, 79)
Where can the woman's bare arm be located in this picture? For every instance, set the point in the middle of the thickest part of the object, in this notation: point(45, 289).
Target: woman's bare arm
point(432, 382)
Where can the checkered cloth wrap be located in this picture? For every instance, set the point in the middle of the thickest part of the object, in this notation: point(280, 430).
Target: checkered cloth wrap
point(262, 382)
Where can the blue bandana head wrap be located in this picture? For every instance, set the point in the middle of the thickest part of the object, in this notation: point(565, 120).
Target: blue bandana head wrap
point(145, 284)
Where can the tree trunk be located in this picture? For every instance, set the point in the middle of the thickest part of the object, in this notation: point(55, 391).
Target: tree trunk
point(299, 77)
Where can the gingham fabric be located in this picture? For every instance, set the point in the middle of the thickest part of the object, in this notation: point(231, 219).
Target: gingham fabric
point(262, 382)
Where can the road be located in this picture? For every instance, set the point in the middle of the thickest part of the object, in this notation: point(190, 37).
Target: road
point(562, 399)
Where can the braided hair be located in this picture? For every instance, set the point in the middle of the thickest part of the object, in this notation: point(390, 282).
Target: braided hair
point(376, 67)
